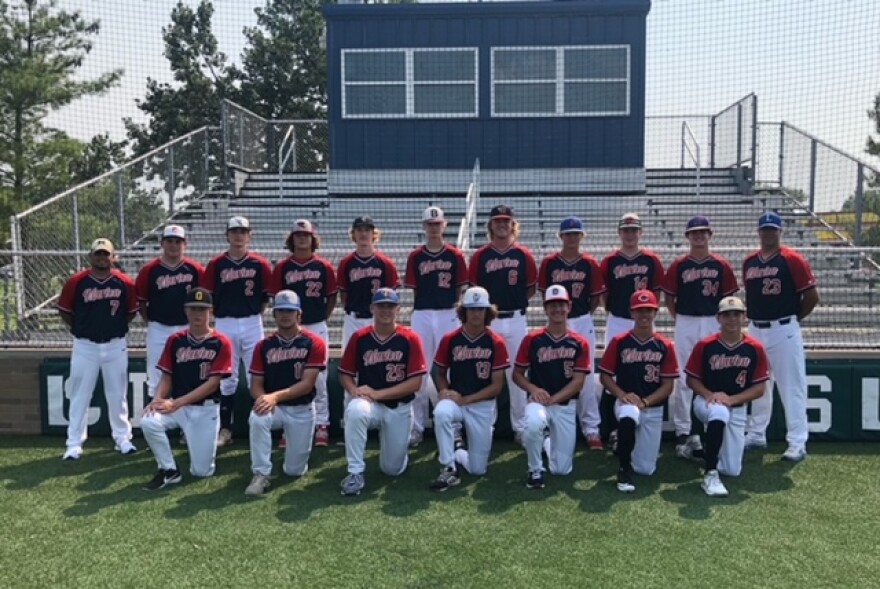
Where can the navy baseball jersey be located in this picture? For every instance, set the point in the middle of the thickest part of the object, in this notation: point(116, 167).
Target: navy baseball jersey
point(240, 287)
point(552, 361)
point(383, 363)
point(506, 274)
point(699, 285)
point(624, 275)
point(638, 366)
point(100, 307)
point(360, 277)
point(282, 362)
point(728, 369)
point(313, 279)
point(435, 276)
point(774, 285)
point(163, 288)
point(192, 361)
point(470, 362)
point(581, 277)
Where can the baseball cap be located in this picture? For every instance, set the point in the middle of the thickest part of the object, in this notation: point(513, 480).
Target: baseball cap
point(501, 212)
point(102, 245)
point(199, 298)
point(731, 304)
point(476, 297)
point(386, 295)
point(174, 231)
point(698, 223)
point(629, 220)
point(302, 226)
point(433, 215)
point(643, 299)
point(287, 300)
point(238, 222)
point(571, 225)
point(556, 292)
point(771, 220)
point(363, 221)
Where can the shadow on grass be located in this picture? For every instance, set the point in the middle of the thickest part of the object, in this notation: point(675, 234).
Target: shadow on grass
point(95, 460)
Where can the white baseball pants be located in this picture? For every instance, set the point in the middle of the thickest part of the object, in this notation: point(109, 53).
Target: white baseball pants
point(298, 422)
point(689, 330)
point(431, 325)
point(478, 419)
point(732, 445)
point(322, 402)
point(615, 325)
point(588, 399)
point(649, 427)
point(562, 421)
point(394, 425)
point(200, 425)
point(351, 324)
point(513, 330)
point(244, 334)
point(157, 335)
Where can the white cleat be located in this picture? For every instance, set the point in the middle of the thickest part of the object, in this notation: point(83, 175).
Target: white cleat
point(126, 448)
point(794, 453)
point(713, 486)
point(73, 453)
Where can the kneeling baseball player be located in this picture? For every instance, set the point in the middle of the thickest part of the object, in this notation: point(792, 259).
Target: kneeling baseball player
point(284, 374)
point(726, 370)
point(193, 363)
point(639, 368)
point(471, 363)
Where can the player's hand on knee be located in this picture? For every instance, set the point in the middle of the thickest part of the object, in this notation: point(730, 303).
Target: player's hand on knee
point(365, 392)
point(265, 404)
point(453, 396)
point(720, 399)
point(541, 396)
point(631, 399)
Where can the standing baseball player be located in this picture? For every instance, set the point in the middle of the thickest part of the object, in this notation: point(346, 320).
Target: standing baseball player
point(239, 281)
point(436, 271)
point(694, 285)
point(193, 364)
point(579, 273)
point(507, 270)
point(313, 279)
point(285, 371)
point(726, 371)
point(97, 304)
point(381, 370)
point(629, 269)
point(161, 287)
point(780, 292)
point(470, 362)
point(551, 365)
point(639, 368)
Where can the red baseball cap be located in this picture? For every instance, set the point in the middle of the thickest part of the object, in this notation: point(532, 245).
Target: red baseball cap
point(643, 299)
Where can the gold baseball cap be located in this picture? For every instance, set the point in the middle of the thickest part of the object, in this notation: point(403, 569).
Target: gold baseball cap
point(102, 245)
point(731, 304)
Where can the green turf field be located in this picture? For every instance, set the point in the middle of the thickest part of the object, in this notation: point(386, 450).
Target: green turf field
point(89, 524)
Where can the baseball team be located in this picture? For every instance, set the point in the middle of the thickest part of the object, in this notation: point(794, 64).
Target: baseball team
point(204, 323)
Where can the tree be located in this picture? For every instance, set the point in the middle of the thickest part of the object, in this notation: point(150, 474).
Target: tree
point(41, 50)
point(873, 146)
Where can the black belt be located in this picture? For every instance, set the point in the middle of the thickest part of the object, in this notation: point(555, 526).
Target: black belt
point(509, 314)
point(767, 324)
point(360, 314)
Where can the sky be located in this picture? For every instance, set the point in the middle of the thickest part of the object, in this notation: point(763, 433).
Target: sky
point(812, 63)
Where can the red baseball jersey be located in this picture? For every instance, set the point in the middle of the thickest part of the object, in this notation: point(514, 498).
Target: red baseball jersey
point(100, 306)
point(282, 362)
point(313, 279)
point(728, 369)
point(552, 361)
point(435, 276)
point(360, 277)
point(774, 285)
point(638, 366)
point(383, 363)
point(163, 288)
point(191, 361)
point(507, 275)
point(240, 287)
point(699, 285)
point(624, 275)
point(470, 362)
point(581, 277)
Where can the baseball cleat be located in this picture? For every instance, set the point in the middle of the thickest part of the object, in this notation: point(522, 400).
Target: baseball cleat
point(458, 440)
point(754, 442)
point(126, 448)
point(353, 484)
point(282, 442)
point(625, 481)
point(73, 453)
point(322, 436)
point(448, 477)
point(182, 440)
point(535, 480)
point(690, 448)
point(612, 442)
point(795, 453)
point(162, 479)
point(415, 438)
point(713, 486)
point(594, 442)
point(224, 438)
point(259, 484)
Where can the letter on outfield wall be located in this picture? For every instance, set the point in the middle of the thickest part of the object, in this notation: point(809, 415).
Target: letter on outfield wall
point(823, 405)
point(871, 404)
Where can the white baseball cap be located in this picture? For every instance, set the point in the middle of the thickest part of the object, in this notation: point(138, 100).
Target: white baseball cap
point(556, 292)
point(731, 304)
point(238, 222)
point(102, 245)
point(476, 297)
point(433, 215)
point(302, 226)
point(174, 231)
point(287, 300)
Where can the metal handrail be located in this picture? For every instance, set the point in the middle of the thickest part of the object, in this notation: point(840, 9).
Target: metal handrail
point(743, 99)
point(827, 145)
point(282, 157)
point(695, 157)
point(468, 223)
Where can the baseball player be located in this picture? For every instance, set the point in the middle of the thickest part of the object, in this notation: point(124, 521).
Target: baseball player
point(551, 365)
point(639, 368)
point(471, 363)
point(625, 271)
point(507, 270)
point(193, 364)
point(285, 371)
point(161, 287)
point(97, 304)
point(579, 273)
point(239, 281)
point(780, 292)
point(381, 369)
point(313, 279)
point(694, 285)
point(436, 271)
point(726, 371)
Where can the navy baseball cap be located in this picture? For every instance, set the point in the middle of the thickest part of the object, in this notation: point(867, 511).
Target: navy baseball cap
point(287, 300)
point(698, 223)
point(200, 298)
point(501, 212)
point(571, 225)
point(771, 220)
point(387, 296)
point(363, 221)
